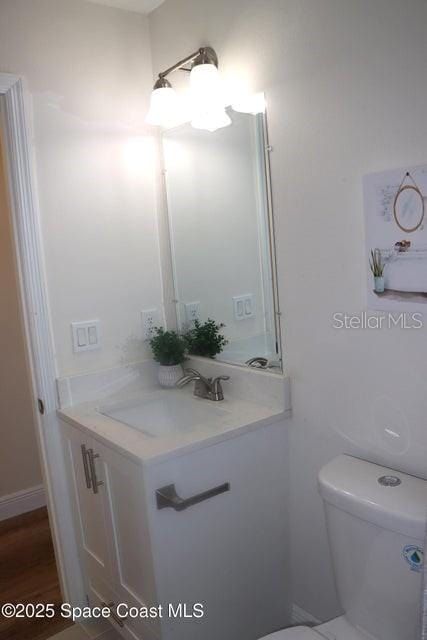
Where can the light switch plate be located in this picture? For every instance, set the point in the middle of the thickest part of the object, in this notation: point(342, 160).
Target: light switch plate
point(85, 335)
point(150, 320)
point(243, 306)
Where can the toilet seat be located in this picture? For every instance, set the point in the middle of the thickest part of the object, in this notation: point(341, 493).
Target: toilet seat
point(295, 633)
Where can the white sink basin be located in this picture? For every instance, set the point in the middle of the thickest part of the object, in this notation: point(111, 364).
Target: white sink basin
point(164, 413)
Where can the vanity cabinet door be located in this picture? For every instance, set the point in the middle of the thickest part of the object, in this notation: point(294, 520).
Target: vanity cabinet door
point(125, 508)
point(83, 475)
point(227, 551)
point(101, 595)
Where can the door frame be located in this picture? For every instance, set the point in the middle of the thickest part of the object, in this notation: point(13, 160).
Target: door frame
point(16, 116)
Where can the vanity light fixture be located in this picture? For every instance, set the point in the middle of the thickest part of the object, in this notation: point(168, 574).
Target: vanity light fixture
point(207, 100)
point(163, 103)
point(253, 104)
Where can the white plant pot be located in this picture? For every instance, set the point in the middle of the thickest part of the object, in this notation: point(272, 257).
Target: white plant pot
point(169, 376)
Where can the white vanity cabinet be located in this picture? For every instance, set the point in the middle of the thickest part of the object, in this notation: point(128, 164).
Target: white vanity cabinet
point(227, 551)
point(111, 521)
point(89, 512)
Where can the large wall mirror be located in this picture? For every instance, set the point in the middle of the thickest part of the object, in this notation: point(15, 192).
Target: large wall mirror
point(222, 235)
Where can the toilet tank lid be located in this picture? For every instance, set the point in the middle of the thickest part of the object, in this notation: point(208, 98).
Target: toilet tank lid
point(353, 485)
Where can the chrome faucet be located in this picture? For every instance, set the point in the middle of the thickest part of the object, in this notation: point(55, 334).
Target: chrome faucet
point(209, 388)
point(259, 362)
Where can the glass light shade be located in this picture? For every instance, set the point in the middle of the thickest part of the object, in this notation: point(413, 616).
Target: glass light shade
point(204, 78)
point(207, 98)
point(163, 107)
point(253, 104)
point(211, 120)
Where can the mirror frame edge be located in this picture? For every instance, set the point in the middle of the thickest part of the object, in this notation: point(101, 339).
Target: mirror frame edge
point(272, 242)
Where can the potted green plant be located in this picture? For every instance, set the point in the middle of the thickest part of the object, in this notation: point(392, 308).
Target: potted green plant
point(377, 267)
point(169, 350)
point(205, 338)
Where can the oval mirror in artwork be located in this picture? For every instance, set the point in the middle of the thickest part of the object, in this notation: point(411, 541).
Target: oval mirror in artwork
point(409, 208)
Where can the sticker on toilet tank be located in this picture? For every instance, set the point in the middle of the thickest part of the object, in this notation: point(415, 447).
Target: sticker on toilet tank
point(414, 557)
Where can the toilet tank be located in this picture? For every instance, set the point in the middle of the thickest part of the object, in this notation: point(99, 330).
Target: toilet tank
point(376, 525)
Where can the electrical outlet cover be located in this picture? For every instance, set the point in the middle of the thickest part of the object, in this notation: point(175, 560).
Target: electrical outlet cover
point(192, 312)
point(150, 320)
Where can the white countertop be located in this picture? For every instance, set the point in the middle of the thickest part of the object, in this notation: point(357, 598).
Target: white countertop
point(252, 400)
point(237, 416)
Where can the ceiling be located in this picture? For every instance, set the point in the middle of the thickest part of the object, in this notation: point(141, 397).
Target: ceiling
point(140, 6)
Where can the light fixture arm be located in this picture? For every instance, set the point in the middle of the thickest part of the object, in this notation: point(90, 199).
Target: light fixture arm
point(204, 55)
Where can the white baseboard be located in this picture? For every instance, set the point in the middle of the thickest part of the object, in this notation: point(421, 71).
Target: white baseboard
point(302, 617)
point(22, 501)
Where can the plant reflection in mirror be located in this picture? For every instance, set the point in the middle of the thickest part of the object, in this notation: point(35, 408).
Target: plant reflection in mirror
point(205, 339)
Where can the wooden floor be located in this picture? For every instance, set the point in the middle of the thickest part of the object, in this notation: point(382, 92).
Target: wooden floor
point(28, 574)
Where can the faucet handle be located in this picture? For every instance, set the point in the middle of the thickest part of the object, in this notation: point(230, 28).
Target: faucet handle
point(190, 370)
point(218, 378)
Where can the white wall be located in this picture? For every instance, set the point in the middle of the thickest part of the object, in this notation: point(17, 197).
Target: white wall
point(345, 91)
point(88, 69)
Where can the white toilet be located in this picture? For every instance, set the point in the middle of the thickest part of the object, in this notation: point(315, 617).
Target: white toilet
point(376, 526)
